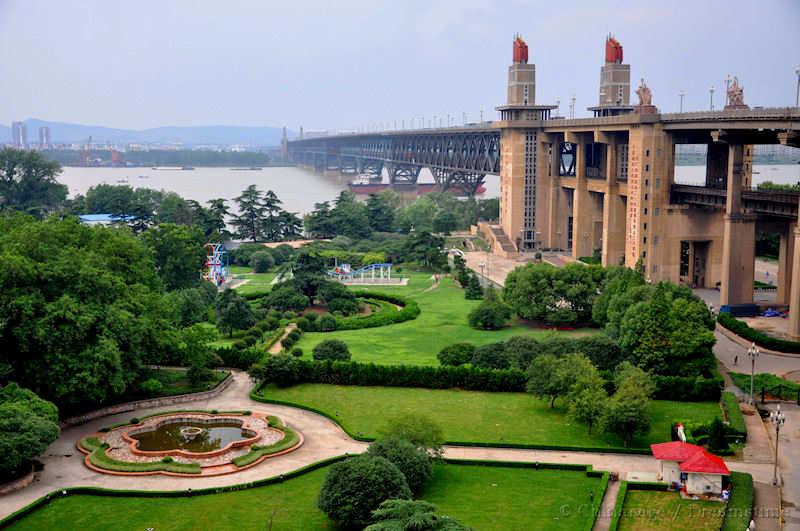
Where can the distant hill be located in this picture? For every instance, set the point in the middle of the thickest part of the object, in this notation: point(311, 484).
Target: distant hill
point(62, 132)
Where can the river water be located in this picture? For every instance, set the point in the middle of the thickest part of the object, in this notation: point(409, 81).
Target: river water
point(300, 189)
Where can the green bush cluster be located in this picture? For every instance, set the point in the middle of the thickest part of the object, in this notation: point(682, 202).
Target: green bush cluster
point(761, 339)
point(688, 388)
point(410, 310)
point(331, 349)
point(771, 384)
point(239, 358)
point(288, 370)
point(291, 338)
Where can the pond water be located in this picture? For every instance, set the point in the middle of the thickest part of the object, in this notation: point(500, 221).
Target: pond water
point(190, 436)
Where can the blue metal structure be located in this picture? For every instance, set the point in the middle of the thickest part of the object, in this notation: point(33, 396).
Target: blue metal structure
point(364, 274)
point(216, 264)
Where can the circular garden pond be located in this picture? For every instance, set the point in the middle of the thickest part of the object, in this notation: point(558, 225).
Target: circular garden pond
point(188, 443)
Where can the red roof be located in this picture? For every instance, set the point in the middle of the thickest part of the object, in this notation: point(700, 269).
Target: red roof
point(674, 451)
point(705, 463)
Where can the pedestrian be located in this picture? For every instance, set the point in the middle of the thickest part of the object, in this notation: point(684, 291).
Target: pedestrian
point(736, 360)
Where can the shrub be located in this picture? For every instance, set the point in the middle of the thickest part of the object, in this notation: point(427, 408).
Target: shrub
point(695, 388)
point(520, 351)
point(473, 291)
point(491, 356)
point(419, 430)
point(152, 387)
point(346, 306)
point(285, 296)
point(410, 310)
point(357, 486)
point(306, 325)
point(490, 314)
point(740, 506)
point(295, 334)
point(297, 352)
point(413, 462)
point(287, 342)
point(28, 424)
point(239, 358)
point(733, 414)
point(167, 459)
point(331, 349)
point(261, 261)
point(135, 420)
point(281, 369)
point(326, 323)
point(456, 354)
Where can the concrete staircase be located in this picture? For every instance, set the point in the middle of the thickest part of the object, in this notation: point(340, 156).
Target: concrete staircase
point(502, 240)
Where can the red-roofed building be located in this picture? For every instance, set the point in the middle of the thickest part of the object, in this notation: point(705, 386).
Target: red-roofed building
point(690, 466)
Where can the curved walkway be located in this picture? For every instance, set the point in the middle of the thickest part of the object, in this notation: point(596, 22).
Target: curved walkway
point(323, 439)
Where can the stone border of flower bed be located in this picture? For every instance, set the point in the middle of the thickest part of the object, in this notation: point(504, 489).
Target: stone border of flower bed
point(96, 453)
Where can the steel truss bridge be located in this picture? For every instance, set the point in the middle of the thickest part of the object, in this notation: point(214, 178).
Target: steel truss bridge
point(767, 204)
point(457, 157)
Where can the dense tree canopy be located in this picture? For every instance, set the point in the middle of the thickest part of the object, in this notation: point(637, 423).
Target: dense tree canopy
point(178, 253)
point(28, 182)
point(28, 425)
point(81, 308)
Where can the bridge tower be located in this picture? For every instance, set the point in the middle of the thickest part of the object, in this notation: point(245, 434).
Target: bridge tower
point(615, 83)
point(518, 158)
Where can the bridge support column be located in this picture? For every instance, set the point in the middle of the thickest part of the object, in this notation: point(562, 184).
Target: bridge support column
point(582, 207)
point(738, 244)
point(794, 297)
point(614, 215)
point(785, 264)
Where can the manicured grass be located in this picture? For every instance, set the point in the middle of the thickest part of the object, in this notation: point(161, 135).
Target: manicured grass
point(657, 510)
point(485, 498)
point(239, 270)
point(472, 416)
point(258, 282)
point(443, 321)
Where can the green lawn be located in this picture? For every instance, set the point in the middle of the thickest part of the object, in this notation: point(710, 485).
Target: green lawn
point(658, 510)
point(473, 416)
point(443, 321)
point(484, 498)
point(256, 282)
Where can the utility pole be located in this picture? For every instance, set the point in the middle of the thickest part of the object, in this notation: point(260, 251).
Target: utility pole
point(572, 107)
point(728, 80)
point(797, 98)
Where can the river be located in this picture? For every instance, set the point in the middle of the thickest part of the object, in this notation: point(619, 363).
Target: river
point(300, 189)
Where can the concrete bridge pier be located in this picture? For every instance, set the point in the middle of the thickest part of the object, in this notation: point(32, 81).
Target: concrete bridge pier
point(738, 242)
point(614, 210)
point(794, 289)
point(785, 263)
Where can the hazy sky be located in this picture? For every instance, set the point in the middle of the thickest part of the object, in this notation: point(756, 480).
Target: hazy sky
point(343, 64)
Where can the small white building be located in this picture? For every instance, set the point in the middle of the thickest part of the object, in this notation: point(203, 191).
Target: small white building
point(689, 467)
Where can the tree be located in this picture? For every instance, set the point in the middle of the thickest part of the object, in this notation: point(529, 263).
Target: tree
point(280, 369)
point(331, 349)
point(445, 222)
point(291, 226)
point(271, 226)
point(548, 377)
point(490, 314)
point(456, 354)
point(28, 182)
point(233, 312)
point(308, 272)
point(626, 416)
point(490, 356)
point(413, 462)
point(261, 261)
point(195, 351)
point(473, 290)
point(357, 486)
point(380, 211)
point(28, 425)
point(521, 350)
point(587, 396)
point(320, 223)
point(211, 219)
point(411, 515)
point(250, 220)
point(425, 249)
point(82, 309)
point(419, 430)
point(179, 254)
point(350, 217)
point(717, 440)
point(189, 306)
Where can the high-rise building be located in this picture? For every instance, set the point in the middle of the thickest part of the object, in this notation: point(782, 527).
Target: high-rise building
point(19, 134)
point(44, 137)
point(615, 82)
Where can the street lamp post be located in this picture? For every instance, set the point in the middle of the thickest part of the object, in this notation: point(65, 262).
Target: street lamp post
point(572, 106)
point(752, 353)
point(711, 93)
point(797, 98)
point(681, 94)
point(777, 418)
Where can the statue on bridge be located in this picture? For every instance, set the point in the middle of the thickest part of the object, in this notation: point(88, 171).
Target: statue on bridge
point(645, 100)
point(645, 94)
point(736, 96)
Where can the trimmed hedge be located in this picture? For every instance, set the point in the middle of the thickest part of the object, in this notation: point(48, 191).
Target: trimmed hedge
point(773, 385)
point(688, 388)
point(256, 452)
point(239, 358)
point(740, 505)
point(409, 311)
point(730, 406)
point(370, 374)
point(100, 459)
point(741, 329)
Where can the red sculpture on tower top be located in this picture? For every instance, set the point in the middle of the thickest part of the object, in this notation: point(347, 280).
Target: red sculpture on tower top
point(520, 50)
point(613, 50)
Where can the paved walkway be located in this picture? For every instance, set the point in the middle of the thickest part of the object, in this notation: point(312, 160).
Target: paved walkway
point(278, 345)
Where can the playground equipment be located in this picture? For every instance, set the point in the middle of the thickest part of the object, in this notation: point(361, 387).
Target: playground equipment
point(369, 274)
point(216, 263)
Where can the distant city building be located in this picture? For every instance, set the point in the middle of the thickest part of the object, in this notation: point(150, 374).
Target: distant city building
point(19, 134)
point(44, 137)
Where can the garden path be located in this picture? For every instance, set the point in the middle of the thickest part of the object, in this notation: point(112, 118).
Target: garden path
point(278, 346)
point(323, 439)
